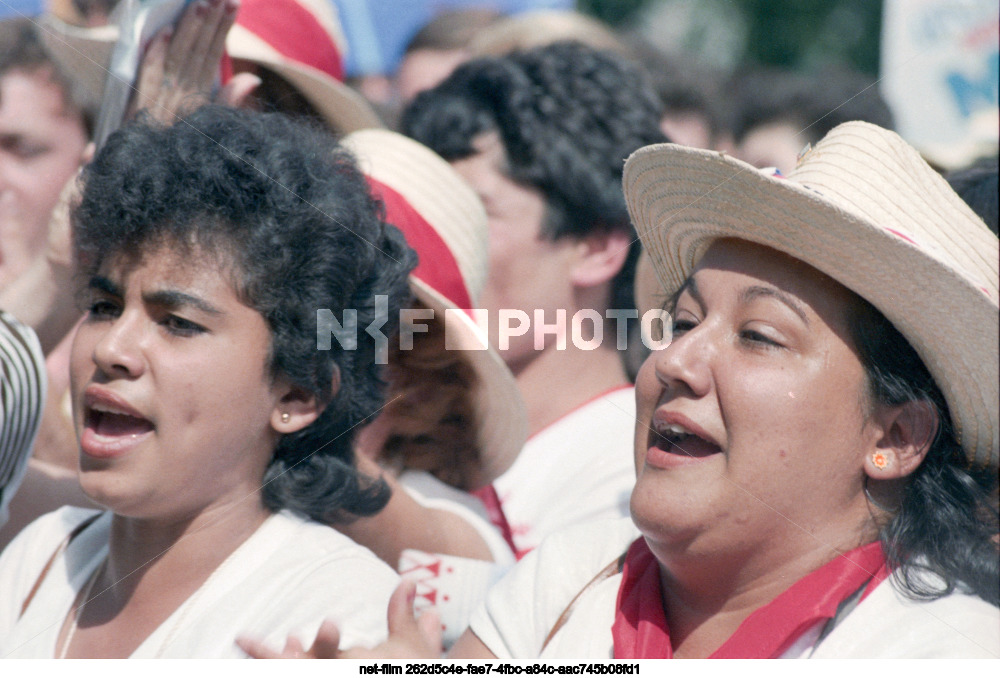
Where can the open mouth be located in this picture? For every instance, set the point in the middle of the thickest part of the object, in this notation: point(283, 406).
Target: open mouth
point(109, 423)
point(674, 438)
point(111, 427)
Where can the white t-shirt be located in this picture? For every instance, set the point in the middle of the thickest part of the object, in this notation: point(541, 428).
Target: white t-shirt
point(428, 491)
point(285, 579)
point(578, 469)
point(452, 585)
point(520, 612)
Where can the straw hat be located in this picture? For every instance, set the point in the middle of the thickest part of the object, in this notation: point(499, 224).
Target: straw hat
point(300, 40)
point(444, 221)
point(82, 55)
point(866, 210)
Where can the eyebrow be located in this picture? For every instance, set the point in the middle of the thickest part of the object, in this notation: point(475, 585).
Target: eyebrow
point(168, 298)
point(689, 286)
point(102, 284)
point(757, 291)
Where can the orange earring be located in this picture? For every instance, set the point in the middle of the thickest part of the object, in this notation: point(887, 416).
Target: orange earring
point(880, 460)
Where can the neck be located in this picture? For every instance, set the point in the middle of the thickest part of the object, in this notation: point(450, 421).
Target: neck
point(707, 598)
point(162, 551)
point(553, 383)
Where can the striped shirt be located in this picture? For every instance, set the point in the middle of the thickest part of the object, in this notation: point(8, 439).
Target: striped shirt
point(22, 395)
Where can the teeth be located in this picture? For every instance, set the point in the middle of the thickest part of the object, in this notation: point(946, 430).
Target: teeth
point(100, 407)
point(674, 431)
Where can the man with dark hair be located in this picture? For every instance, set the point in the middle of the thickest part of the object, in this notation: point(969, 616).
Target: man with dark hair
point(541, 136)
point(43, 137)
point(775, 112)
point(43, 134)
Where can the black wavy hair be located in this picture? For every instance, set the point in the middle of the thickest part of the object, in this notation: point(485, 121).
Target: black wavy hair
point(979, 186)
point(568, 116)
point(813, 104)
point(288, 208)
point(947, 521)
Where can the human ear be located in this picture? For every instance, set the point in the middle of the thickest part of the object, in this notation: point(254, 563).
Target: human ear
point(601, 256)
point(905, 435)
point(297, 408)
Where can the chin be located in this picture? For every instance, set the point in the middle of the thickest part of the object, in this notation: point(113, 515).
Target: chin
point(108, 494)
point(659, 521)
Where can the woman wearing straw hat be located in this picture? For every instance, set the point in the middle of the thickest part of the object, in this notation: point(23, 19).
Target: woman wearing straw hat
point(817, 448)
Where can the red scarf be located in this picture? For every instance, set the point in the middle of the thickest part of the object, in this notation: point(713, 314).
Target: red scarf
point(640, 627)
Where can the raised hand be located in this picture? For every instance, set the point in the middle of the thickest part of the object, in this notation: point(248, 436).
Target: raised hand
point(409, 637)
point(179, 68)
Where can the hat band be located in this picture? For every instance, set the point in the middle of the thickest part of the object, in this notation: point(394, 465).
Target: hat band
point(294, 33)
point(436, 264)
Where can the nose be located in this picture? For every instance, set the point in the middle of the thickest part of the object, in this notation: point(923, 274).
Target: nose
point(684, 366)
point(118, 348)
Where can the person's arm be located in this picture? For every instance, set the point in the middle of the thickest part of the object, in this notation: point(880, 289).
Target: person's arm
point(409, 638)
point(406, 524)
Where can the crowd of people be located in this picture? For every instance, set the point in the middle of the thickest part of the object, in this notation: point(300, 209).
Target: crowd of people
point(549, 346)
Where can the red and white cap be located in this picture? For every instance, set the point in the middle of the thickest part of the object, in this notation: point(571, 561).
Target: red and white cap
point(302, 41)
point(444, 221)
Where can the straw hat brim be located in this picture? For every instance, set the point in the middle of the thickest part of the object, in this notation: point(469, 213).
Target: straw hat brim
point(344, 109)
point(435, 191)
point(682, 199)
point(82, 54)
point(501, 419)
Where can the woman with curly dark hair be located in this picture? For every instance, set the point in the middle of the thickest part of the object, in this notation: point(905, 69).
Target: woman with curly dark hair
point(212, 428)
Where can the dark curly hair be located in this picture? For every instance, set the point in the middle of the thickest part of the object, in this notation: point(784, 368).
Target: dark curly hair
point(288, 207)
point(568, 115)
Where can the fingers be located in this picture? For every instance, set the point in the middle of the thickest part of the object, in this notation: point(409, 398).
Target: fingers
point(429, 625)
point(407, 637)
point(399, 614)
point(184, 46)
point(151, 73)
point(59, 241)
point(257, 649)
point(239, 87)
point(179, 67)
point(215, 39)
point(326, 646)
point(327, 643)
point(293, 647)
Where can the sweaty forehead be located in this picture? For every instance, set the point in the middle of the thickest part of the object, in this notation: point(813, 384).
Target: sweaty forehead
point(758, 264)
